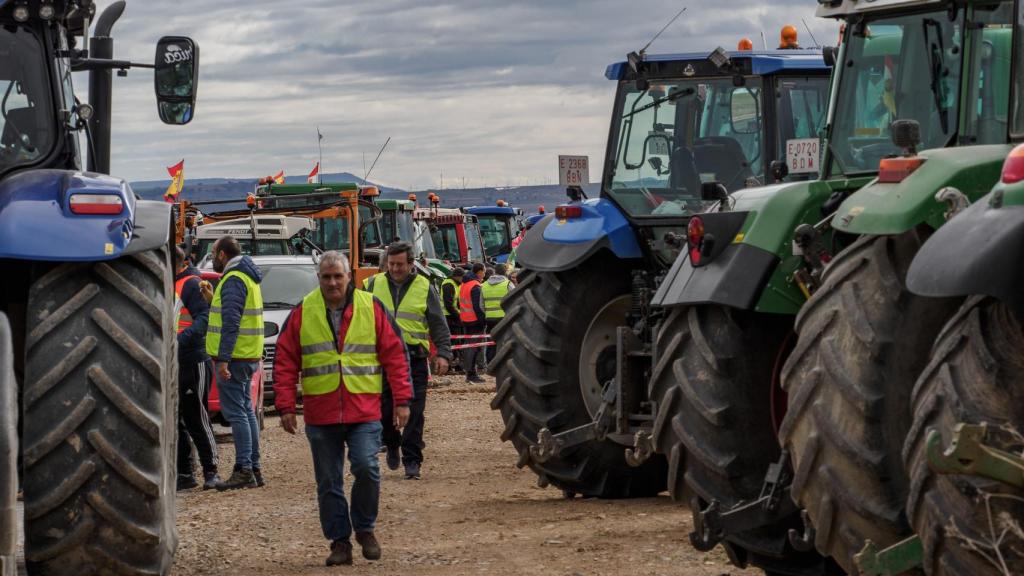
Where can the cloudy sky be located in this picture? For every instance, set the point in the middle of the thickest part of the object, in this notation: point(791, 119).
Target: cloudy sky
point(487, 90)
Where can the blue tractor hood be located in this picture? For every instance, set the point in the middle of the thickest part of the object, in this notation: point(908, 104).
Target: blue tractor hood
point(36, 222)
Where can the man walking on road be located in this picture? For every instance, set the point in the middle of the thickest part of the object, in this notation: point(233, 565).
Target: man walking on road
point(471, 313)
point(417, 308)
point(194, 372)
point(494, 289)
point(235, 340)
point(340, 342)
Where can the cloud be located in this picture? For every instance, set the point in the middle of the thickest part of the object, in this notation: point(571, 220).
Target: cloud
point(487, 90)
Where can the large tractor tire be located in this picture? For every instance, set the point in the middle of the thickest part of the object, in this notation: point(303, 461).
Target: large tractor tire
point(713, 382)
point(99, 413)
point(976, 376)
point(547, 377)
point(863, 339)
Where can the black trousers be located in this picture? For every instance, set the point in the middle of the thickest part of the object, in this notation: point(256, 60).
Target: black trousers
point(471, 357)
point(491, 350)
point(194, 419)
point(410, 439)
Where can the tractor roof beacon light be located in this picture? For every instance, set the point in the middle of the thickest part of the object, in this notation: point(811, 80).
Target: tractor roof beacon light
point(502, 204)
point(745, 45)
point(694, 239)
point(412, 197)
point(788, 38)
point(540, 209)
point(1013, 168)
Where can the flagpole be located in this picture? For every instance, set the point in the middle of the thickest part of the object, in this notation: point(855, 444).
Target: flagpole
point(320, 163)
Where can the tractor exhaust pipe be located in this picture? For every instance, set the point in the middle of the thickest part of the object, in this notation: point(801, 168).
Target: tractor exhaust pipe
point(101, 88)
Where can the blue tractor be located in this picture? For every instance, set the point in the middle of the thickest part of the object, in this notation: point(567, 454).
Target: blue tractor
point(499, 226)
point(574, 353)
point(87, 306)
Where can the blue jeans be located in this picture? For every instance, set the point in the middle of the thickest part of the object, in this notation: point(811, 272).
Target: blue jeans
point(236, 405)
point(328, 446)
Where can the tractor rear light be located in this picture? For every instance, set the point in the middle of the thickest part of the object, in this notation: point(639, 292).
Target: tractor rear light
point(1013, 168)
point(104, 204)
point(567, 211)
point(695, 238)
point(896, 170)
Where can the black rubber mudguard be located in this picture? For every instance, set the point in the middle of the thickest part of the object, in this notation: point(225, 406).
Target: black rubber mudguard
point(152, 226)
point(979, 251)
point(536, 253)
point(735, 278)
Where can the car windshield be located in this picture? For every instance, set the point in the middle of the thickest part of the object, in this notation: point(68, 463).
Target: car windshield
point(285, 285)
point(676, 135)
point(897, 68)
point(265, 247)
point(497, 235)
point(26, 116)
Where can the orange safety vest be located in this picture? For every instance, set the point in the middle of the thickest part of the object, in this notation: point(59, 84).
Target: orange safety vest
point(185, 320)
point(466, 311)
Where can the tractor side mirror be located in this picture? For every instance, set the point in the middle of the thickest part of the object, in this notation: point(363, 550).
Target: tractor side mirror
point(176, 79)
point(713, 192)
point(829, 54)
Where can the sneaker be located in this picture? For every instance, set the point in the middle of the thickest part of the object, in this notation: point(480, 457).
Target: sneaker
point(476, 379)
point(341, 553)
point(371, 548)
point(412, 471)
point(394, 459)
point(210, 480)
point(241, 478)
point(257, 473)
point(186, 482)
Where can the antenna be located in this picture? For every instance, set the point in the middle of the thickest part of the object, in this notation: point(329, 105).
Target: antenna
point(377, 158)
point(662, 31)
point(816, 45)
point(763, 41)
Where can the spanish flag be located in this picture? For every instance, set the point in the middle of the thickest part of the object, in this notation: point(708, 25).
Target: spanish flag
point(279, 177)
point(177, 173)
point(312, 175)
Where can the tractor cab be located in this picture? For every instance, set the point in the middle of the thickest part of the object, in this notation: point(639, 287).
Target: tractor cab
point(500, 225)
point(456, 235)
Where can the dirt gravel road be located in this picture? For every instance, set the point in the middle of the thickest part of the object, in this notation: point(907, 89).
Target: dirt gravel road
point(473, 513)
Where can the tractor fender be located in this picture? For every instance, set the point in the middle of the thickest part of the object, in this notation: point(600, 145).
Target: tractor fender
point(36, 222)
point(553, 245)
point(152, 226)
point(891, 209)
point(977, 252)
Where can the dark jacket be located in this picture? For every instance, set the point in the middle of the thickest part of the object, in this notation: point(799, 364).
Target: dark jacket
point(477, 296)
point(232, 301)
point(439, 333)
point(341, 406)
point(192, 340)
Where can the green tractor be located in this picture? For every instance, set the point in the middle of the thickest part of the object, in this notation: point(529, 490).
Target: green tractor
point(398, 224)
point(968, 398)
point(821, 400)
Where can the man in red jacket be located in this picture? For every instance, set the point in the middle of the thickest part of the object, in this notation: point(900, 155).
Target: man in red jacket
point(339, 344)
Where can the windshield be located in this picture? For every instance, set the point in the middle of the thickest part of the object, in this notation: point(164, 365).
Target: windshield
point(266, 247)
point(497, 234)
point(405, 230)
point(801, 105)
point(678, 134)
point(285, 285)
point(476, 247)
point(446, 242)
point(26, 117)
point(898, 68)
point(423, 241)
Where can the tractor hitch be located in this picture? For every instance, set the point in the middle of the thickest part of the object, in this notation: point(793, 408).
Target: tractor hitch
point(969, 455)
point(897, 559)
point(550, 445)
point(712, 525)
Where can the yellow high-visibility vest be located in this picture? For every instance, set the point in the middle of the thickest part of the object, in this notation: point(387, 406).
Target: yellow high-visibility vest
point(250, 331)
point(412, 310)
point(323, 366)
point(493, 293)
point(455, 292)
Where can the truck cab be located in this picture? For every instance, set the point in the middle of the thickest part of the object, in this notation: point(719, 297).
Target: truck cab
point(263, 235)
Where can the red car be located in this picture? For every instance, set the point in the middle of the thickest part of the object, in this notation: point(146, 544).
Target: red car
point(255, 387)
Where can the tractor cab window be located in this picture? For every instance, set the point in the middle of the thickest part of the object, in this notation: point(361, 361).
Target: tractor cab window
point(446, 242)
point(988, 71)
point(476, 247)
point(1018, 79)
point(675, 135)
point(27, 130)
point(897, 68)
point(801, 107)
point(497, 236)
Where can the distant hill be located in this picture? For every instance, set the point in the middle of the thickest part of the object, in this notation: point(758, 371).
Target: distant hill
point(207, 189)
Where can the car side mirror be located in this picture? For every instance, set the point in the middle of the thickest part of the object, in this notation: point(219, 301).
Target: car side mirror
point(713, 192)
point(176, 79)
point(270, 329)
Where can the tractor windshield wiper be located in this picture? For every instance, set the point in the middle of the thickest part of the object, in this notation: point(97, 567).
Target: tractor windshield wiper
point(935, 70)
point(672, 96)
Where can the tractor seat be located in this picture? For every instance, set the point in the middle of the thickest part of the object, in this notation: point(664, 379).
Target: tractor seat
point(25, 120)
point(725, 158)
point(684, 171)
